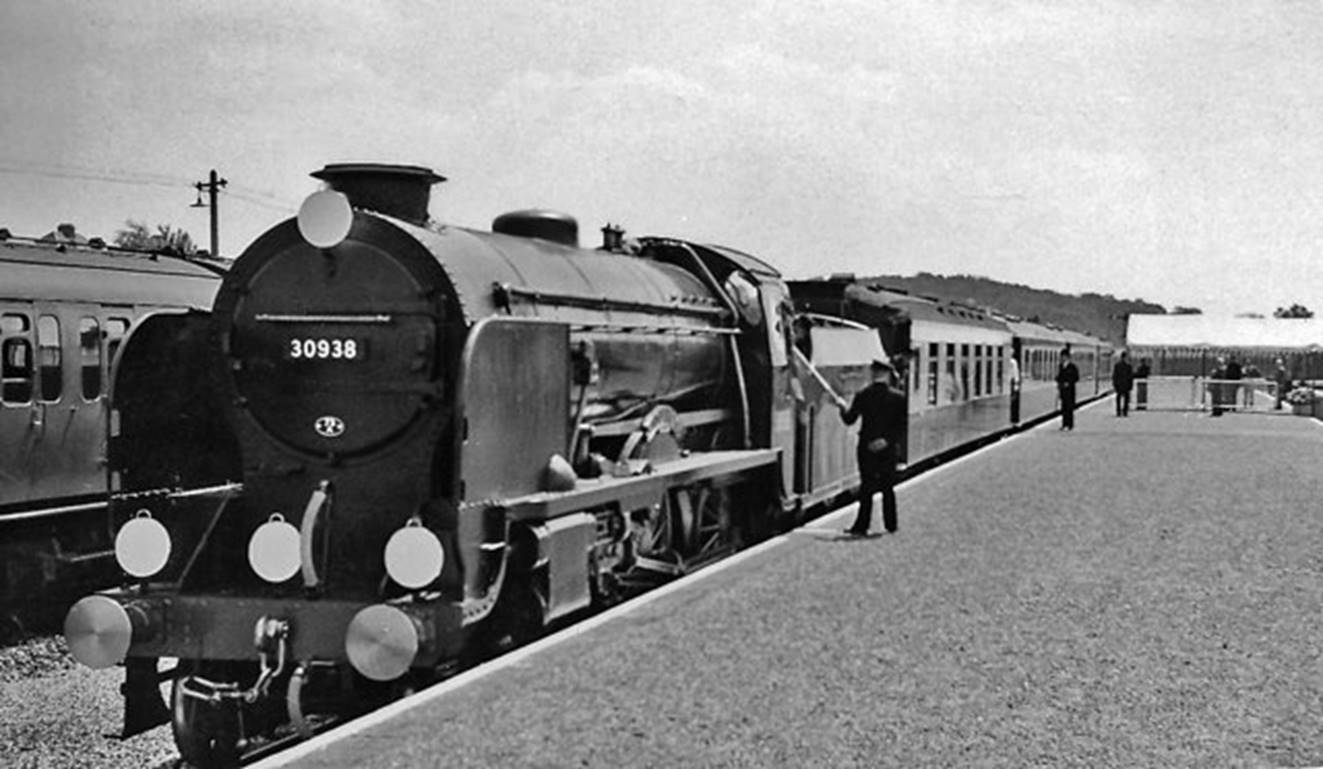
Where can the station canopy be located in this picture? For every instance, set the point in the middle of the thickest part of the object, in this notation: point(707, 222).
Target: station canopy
point(1223, 331)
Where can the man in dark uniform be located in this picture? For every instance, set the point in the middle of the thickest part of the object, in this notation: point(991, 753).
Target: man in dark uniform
point(1123, 378)
point(1067, 376)
point(883, 411)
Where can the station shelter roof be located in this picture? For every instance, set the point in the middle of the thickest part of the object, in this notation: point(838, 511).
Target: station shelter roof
point(1224, 331)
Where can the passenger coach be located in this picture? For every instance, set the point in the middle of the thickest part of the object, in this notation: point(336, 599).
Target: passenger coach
point(65, 309)
point(955, 360)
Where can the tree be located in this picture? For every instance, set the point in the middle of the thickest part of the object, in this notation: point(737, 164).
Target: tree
point(1186, 311)
point(166, 238)
point(1294, 311)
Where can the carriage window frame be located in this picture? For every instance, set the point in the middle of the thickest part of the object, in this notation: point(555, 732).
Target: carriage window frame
point(17, 364)
point(50, 359)
point(89, 357)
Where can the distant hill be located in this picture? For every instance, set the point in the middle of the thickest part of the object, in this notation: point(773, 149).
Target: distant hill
point(1102, 315)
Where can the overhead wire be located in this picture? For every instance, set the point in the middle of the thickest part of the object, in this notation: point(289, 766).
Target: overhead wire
point(138, 178)
point(90, 174)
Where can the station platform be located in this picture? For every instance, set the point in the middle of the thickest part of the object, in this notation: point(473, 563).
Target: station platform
point(1145, 591)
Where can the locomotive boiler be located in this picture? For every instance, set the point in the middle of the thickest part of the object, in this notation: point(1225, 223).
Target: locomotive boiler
point(426, 443)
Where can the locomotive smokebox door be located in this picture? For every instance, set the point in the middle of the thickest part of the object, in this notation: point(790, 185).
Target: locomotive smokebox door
point(339, 375)
point(515, 403)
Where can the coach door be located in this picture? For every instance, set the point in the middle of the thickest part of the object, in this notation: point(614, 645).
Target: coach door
point(19, 414)
point(68, 411)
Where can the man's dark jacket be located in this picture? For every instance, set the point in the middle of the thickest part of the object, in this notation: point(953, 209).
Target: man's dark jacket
point(883, 412)
point(1067, 376)
point(1123, 377)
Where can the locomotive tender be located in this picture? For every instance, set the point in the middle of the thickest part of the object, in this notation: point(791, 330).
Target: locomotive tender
point(413, 444)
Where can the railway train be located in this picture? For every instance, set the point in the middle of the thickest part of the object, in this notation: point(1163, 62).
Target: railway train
point(65, 309)
point(426, 443)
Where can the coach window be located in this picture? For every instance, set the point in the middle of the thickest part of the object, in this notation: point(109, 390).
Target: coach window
point(976, 352)
point(48, 358)
point(1001, 369)
point(89, 354)
point(980, 366)
point(988, 367)
point(933, 363)
point(964, 371)
point(116, 330)
point(952, 384)
point(16, 367)
point(916, 370)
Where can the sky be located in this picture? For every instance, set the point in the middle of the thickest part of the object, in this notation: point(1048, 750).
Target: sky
point(1166, 151)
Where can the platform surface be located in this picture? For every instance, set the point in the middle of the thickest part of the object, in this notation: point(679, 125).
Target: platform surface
point(1145, 591)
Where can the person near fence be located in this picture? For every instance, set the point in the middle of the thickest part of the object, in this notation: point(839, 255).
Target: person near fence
point(1123, 378)
point(1252, 375)
point(1216, 384)
point(1067, 376)
point(1282, 378)
point(1141, 384)
point(1234, 374)
point(883, 411)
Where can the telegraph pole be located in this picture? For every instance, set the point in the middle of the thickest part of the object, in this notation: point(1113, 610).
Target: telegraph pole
point(212, 186)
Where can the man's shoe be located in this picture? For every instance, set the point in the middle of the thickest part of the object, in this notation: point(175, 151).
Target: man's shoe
point(853, 532)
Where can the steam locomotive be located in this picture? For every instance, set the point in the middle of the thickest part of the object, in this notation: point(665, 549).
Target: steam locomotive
point(406, 445)
point(65, 309)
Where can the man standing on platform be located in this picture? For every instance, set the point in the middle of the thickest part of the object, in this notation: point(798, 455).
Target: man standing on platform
point(1282, 379)
point(1123, 378)
point(883, 411)
point(1067, 376)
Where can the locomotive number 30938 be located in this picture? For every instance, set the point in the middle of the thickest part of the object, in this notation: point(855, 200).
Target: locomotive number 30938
point(324, 349)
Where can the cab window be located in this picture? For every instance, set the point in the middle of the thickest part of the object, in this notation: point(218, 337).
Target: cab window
point(49, 358)
point(16, 373)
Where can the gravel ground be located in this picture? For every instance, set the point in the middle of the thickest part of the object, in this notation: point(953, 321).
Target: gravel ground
point(55, 714)
point(1150, 596)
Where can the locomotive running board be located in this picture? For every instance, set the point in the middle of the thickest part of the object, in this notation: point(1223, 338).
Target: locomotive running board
point(639, 490)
